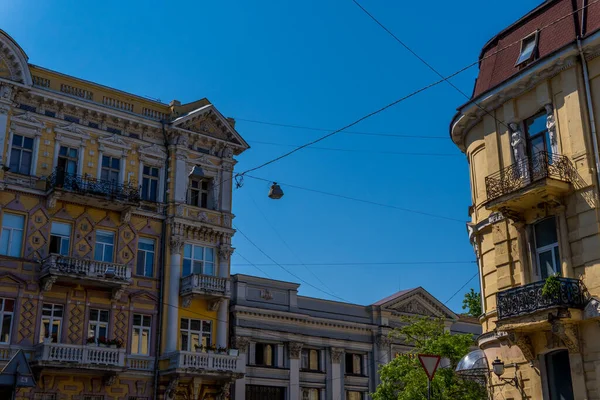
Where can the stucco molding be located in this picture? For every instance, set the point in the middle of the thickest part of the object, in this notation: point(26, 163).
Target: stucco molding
point(241, 343)
point(336, 355)
point(295, 349)
point(568, 334)
point(523, 342)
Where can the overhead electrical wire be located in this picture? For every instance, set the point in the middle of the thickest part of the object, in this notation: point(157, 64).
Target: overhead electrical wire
point(345, 264)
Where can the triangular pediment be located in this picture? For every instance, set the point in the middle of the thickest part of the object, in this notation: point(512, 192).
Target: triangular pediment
point(208, 121)
point(72, 128)
point(27, 119)
point(143, 296)
point(9, 279)
point(419, 302)
point(153, 150)
point(114, 141)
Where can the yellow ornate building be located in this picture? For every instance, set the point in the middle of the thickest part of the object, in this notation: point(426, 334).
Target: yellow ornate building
point(530, 134)
point(115, 215)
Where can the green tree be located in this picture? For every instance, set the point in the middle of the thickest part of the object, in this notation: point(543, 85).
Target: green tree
point(404, 378)
point(472, 303)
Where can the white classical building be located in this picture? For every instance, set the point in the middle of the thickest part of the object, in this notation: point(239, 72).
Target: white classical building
point(304, 348)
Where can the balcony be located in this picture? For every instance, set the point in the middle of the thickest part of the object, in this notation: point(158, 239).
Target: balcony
point(90, 191)
point(527, 300)
point(205, 364)
point(79, 271)
point(205, 286)
point(79, 357)
point(529, 182)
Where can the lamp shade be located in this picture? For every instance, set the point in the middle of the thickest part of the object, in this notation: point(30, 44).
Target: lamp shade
point(275, 192)
point(498, 367)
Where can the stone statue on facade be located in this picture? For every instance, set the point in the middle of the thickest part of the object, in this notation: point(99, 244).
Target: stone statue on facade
point(517, 142)
point(551, 126)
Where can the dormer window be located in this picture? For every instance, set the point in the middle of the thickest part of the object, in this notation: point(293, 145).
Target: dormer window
point(528, 49)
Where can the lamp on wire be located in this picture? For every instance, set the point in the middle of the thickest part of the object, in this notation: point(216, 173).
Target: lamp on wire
point(275, 192)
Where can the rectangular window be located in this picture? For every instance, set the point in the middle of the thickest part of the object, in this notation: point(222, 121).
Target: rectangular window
point(140, 337)
point(113, 130)
point(52, 315)
point(11, 238)
point(27, 107)
point(98, 325)
point(310, 394)
point(7, 308)
point(199, 190)
point(49, 113)
point(264, 354)
point(354, 364)
point(198, 260)
point(145, 258)
point(150, 183)
point(67, 160)
point(528, 49)
point(194, 332)
point(110, 169)
point(310, 360)
point(353, 395)
point(105, 246)
point(60, 236)
point(94, 125)
point(546, 247)
point(21, 154)
point(71, 118)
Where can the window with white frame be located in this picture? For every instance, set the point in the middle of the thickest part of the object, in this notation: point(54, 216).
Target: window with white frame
point(199, 192)
point(195, 333)
point(310, 360)
point(60, 237)
point(52, 315)
point(546, 247)
point(21, 154)
point(7, 308)
point(67, 160)
point(105, 246)
point(111, 167)
point(198, 260)
point(150, 183)
point(354, 364)
point(11, 238)
point(310, 394)
point(145, 258)
point(98, 324)
point(351, 395)
point(140, 337)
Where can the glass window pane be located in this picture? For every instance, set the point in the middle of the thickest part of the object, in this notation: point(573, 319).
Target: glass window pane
point(195, 324)
point(105, 237)
point(146, 244)
point(185, 323)
point(197, 267)
point(58, 310)
point(116, 163)
point(104, 315)
point(209, 268)
point(108, 253)
point(13, 221)
point(141, 263)
point(98, 252)
point(209, 253)
point(64, 247)
point(147, 320)
point(6, 325)
point(546, 260)
point(149, 265)
point(545, 232)
point(28, 143)
point(18, 140)
point(187, 268)
point(137, 319)
point(93, 315)
point(198, 253)
point(187, 251)
point(59, 228)
point(16, 243)
point(73, 153)
point(184, 341)
point(105, 161)
point(145, 342)
point(135, 341)
point(9, 305)
point(207, 326)
point(25, 167)
point(4, 238)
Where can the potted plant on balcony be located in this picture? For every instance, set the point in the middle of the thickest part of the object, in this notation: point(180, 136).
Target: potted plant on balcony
point(551, 288)
point(102, 341)
point(211, 348)
point(222, 350)
point(91, 341)
point(115, 343)
point(234, 352)
point(199, 348)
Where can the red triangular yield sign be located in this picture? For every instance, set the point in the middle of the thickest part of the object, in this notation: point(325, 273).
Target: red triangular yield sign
point(430, 364)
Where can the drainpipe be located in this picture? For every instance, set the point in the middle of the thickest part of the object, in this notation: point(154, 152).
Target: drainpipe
point(163, 246)
point(590, 110)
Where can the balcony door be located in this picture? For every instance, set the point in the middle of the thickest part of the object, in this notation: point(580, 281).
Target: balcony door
point(538, 138)
point(558, 375)
point(546, 247)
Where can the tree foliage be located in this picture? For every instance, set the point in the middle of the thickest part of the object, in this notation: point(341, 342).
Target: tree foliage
point(404, 378)
point(472, 303)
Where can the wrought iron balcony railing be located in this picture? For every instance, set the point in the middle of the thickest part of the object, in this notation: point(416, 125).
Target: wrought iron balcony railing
point(523, 173)
point(527, 299)
point(87, 185)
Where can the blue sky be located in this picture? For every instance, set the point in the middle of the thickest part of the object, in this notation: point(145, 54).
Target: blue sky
point(316, 64)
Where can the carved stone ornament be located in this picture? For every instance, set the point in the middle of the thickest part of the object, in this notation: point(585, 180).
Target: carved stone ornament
point(187, 302)
point(214, 305)
point(383, 342)
point(6, 92)
point(202, 216)
point(523, 342)
point(118, 292)
point(110, 380)
point(266, 294)
point(179, 210)
point(568, 334)
point(171, 389)
point(295, 349)
point(126, 216)
point(177, 243)
point(551, 124)
point(225, 252)
point(52, 199)
point(241, 343)
point(227, 152)
point(47, 282)
point(336, 355)
point(224, 393)
point(592, 309)
point(414, 307)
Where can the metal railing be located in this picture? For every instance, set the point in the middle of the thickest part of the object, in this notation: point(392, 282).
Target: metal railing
point(68, 353)
point(86, 268)
point(204, 283)
point(205, 361)
point(87, 185)
point(527, 299)
point(527, 171)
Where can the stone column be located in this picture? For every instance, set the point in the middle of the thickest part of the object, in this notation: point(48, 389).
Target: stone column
point(563, 243)
point(181, 177)
point(523, 261)
point(382, 355)
point(222, 319)
point(241, 343)
point(295, 352)
point(225, 251)
point(173, 298)
point(337, 379)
